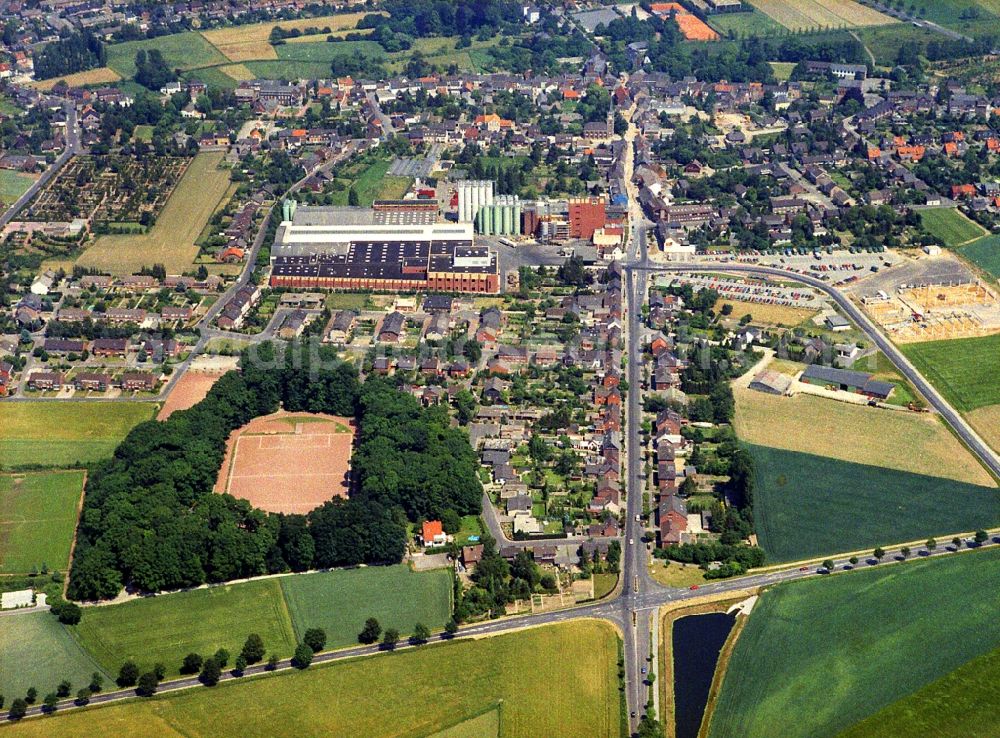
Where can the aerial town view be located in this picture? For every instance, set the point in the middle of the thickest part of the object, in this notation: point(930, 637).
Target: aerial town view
point(500, 369)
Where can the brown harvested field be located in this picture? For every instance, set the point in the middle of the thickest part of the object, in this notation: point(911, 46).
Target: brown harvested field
point(893, 439)
point(239, 72)
point(767, 314)
point(288, 462)
point(801, 15)
point(99, 76)
point(986, 422)
point(188, 392)
point(250, 43)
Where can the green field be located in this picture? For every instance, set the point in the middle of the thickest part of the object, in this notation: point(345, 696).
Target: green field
point(984, 253)
point(38, 652)
point(374, 184)
point(965, 703)
point(168, 627)
point(182, 51)
point(341, 601)
point(807, 506)
point(14, 184)
point(37, 520)
point(64, 434)
point(741, 25)
point(554, 681)
point(820, 655)
point(948, 224)
point(949, 13)
point(964, 370)
point(289, 70)
point(327, 52)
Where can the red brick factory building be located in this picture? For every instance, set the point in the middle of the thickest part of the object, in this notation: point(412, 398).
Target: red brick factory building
point(385, 248)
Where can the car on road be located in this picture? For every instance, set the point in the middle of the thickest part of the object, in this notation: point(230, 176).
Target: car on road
point(638, 518)
point(693, 586)
point(631, 541)
point(803, 568)
point(643, 670)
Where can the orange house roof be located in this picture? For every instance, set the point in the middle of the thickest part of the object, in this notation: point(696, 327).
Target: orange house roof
point(950, 149)
point(874, 153)
point(431, 528)
point(570, 94)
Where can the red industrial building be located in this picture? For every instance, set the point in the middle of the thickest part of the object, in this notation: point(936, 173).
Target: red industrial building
point(586, 215)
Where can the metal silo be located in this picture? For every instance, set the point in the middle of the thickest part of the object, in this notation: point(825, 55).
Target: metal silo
point(508, 213)
point(517, 216)
point(479, 222)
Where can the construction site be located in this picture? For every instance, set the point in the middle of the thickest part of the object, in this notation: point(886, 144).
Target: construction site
point(935, 312)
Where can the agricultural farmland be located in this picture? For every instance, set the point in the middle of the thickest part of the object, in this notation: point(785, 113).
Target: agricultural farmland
point(951, 226)
point(341, 601)
point(168, 627)
point(557, 681)
point(910, 442)
point(953, 705)
point(184, 51)
point(98, 76)
point(45, 654)
point(805, 15)
point(54, 434)
point(807, 506)
point(820, 655)
point(171, 241)
point(37, 518)
point(985, 253)
point(14, 184)
point(963, 370)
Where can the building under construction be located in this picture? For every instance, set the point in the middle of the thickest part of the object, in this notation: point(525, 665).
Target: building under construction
point(386, 248)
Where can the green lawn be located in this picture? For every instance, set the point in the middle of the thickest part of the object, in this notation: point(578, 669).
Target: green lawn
point(36, 651)
point(807, 505)
point(37, 520)
point(948, 224)
point(964, 370)
point(965, 703)
point(820, 655)
point(374, 184)
point(168, 627)
point(340, 601)
point(984, 253)
point(556, 681)
point(14, 184)
point(471, 527)
point(55, 434)
point(754, 23)
point(182, 51)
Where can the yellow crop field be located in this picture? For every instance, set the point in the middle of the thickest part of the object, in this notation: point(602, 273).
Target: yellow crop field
point(986, 422)
point(321, 38)
point(802, 15)
point(905, 441)
point(239, 72)
point(171, 241)
point(99, 76)
point(250, 43)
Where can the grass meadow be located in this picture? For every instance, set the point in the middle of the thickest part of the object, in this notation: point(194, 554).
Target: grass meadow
point(39, 652)
point(171, 241)
point(754, 23)
point(168, 627)
point(984, 253)
point(961, 703)
point(60, 434)
point(820, 655)
point(557, 681)
point(182, 51)
point(340, 601)
point(14, 184)
point(807, 506)
point(37, 520)
point(964, 370)
point(948, 224)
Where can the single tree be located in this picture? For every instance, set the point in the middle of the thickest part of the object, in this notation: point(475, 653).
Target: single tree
point(211, 672)
point(222, 658)
point(128, 675)
point(31, 696)
point(18, 709)
point(905, 550)
point(352, 198)
point(879, 553)
point(391, 638)
point(421, 633)
point(853, 560)
point(82, 696)
point(371, 631)
point(956, 542)
point(147, 684)
point(272, 662)
point(241, 664)
point(253, 649)
point(315, 638)
point(303, 656)
point(64, 688)
point(981, 537)
point(931, 544)
point(51, 702)
point(160, 670)
point(451, 627)
point(192, 663)
point(828, 565)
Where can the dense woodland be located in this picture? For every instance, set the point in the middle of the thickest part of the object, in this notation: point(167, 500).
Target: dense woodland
point(73, 52)
point(152, 522)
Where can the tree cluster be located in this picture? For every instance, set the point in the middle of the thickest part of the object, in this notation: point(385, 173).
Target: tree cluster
point(151, 69)
point(73, 52)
